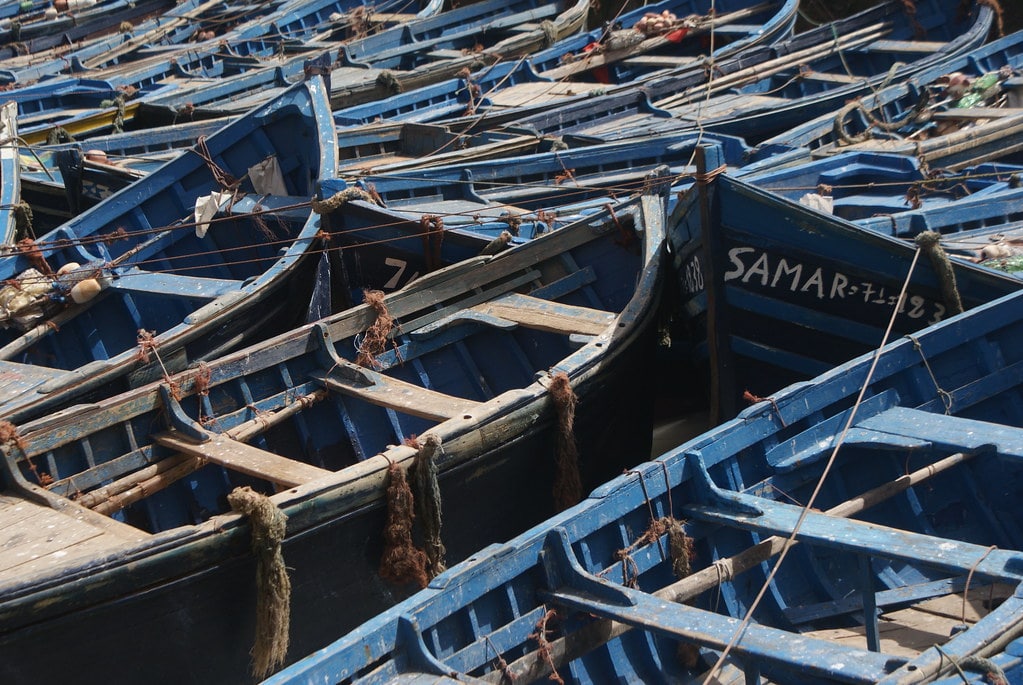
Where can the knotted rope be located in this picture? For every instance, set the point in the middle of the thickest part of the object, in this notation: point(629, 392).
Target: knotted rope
point(426, 490)
point(544, 645)
point(9, 434)
point(843, 137)
point(550, 32)
point(226, 181)
point(930, 243)
point(375, 339)
point(568, 488)
point(431, 228)
point(273, 587)
point(387, 80)
point(23, 220)
point(339, 199)
point(401, 561)
point(58, 135)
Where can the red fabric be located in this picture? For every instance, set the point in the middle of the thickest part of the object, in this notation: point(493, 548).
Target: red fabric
point(676, 36)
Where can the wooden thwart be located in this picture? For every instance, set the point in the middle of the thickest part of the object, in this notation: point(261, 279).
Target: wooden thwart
point(545, 315)
point(397, 394)
point(244, 458)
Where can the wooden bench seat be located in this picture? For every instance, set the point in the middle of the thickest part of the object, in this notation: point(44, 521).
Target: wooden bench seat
point(395, 394)
point(244, 458)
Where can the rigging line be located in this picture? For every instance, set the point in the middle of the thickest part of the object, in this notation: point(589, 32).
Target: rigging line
point(791, 539)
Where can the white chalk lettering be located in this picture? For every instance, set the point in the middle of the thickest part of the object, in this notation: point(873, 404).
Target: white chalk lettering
point(785, 270)
point(734, 256)
point(750, 265)
point(759, 268)
point(815, 281)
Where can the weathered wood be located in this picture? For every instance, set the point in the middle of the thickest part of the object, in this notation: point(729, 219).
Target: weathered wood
point(245, 458)
point(977, 113)
point(545, 315)
point(906, 46)
point(33, 532)
point(144, 482)
point(399, 395)
point(832, 77)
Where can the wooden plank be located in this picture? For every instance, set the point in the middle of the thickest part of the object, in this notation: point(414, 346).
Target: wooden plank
point(907, 46)
point(30, 531)
point(175, 285)
point(977, 113)
point(665, 61)
point(539, 92)
point(244, 458)
point(832, 77)
point(396, 394)
point(545, 315)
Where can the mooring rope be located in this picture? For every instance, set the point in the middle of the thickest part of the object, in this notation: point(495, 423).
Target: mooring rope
point(401, 562)
point(339, 199)
point(930, 242)
point(991, 670)
point(375, 338)
point(273, 587)
point(426, 489)
point(568, 488)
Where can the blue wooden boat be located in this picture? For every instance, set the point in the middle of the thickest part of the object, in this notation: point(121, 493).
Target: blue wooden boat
point(62, 180)
point(942, 115)
point(10, 168)
point(585, 63)
point(473, 361)
point(769, 89)
point(860, 186)
point(194, 289)
point(862, 527)
point(82, 19)
point(397, 226)
point(211, 28)
point(775, 292)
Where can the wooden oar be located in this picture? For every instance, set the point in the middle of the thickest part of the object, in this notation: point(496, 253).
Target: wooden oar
point(855, 39)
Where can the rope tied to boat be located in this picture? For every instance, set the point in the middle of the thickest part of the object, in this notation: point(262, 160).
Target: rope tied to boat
point(706, 177)
point(930, 243)
point(9, 436)
point(23, 220)
point(401, 562)
point(375, 338)
point(844, 137)
point(148, 345)
point(427, 500)
point(431, 229)
point(390, 82)
point(34, 255)
point(273, 586)
point(227, 182)
point(58, 135)
point(544, 645)
point(992, 672)
point(943, 395)
point(550, 32)
point(339, 199)
point(568, 488)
